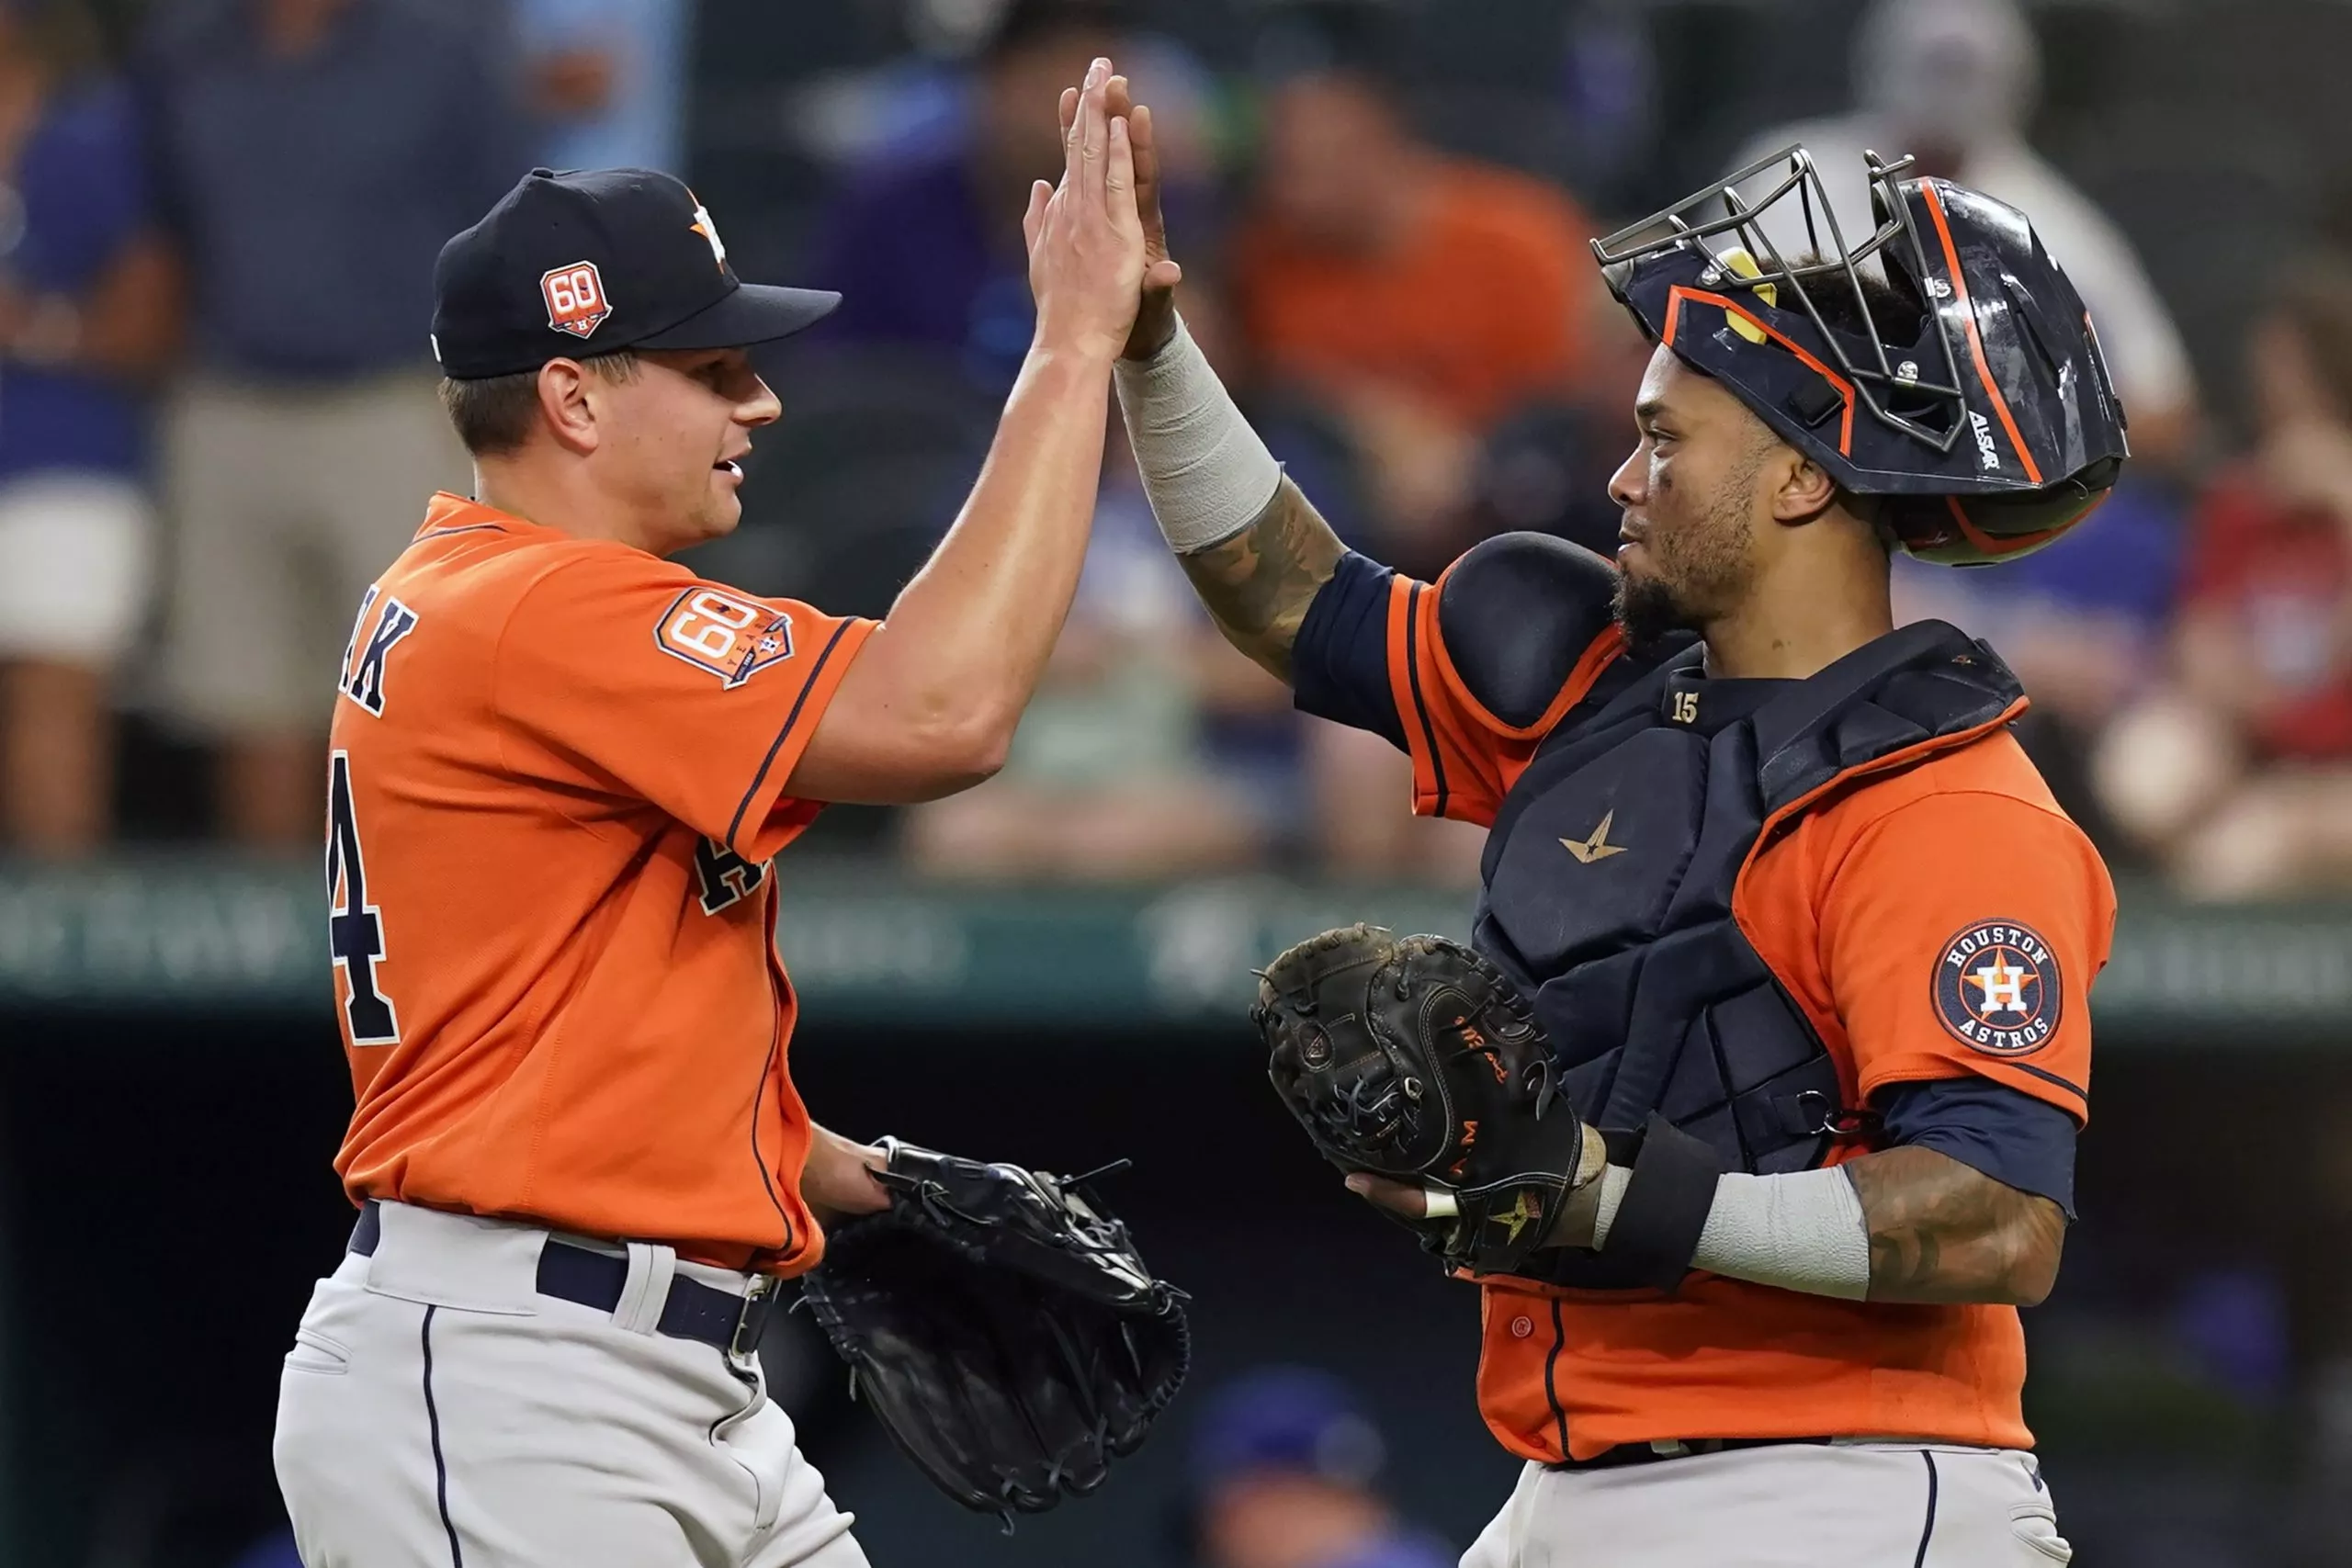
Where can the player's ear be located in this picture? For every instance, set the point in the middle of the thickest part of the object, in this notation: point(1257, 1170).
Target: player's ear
point(566, 405)
point(1803, 488)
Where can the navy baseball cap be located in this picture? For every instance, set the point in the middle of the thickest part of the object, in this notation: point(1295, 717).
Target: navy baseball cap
point(590, 261)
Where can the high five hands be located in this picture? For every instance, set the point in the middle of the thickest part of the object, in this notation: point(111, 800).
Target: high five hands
point(1156, 316)
point(1097, 249)
point(1086, 241)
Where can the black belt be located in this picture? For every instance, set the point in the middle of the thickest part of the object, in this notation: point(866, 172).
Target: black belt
point(1651, 1453)
point(692, 1310)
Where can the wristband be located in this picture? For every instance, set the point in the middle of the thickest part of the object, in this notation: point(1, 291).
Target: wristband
point(1801, 1231)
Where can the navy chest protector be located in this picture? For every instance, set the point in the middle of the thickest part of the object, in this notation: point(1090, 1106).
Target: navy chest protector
point(1608, 877)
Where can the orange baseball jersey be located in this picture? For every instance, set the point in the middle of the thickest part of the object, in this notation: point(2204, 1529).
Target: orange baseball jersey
point(1936, 920)
point(556, 782)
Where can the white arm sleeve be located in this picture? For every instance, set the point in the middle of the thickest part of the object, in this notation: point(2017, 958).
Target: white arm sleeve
point(1803, 1231)
point(1207, 474)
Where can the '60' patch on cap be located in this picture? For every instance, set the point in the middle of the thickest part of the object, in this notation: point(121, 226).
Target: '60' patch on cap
point(1997, 989)
point(574, 294)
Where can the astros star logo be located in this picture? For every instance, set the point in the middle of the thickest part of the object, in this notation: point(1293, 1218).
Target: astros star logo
point(2002, 983)
point(1597, 847)
point(703, 225)
point(1516, 1218)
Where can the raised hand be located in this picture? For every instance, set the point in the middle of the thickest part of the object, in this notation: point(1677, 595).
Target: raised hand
point(1086, 238)
point(1156, 316)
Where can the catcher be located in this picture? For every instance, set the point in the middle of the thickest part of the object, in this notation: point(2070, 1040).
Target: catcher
point(1753, 1111)
point(561, 768)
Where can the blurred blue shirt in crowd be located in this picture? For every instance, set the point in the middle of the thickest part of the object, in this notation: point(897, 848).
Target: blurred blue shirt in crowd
point(640, 121)
point(907, 246)
point(921, 258)
point(1292, 1450)
point(80, 195)
point(311, 189)
point(2121, 571)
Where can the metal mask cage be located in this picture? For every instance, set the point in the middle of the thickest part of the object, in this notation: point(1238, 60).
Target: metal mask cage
point(1719, 209)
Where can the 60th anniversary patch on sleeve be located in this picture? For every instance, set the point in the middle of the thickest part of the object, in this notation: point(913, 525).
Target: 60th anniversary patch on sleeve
point(1997, 989)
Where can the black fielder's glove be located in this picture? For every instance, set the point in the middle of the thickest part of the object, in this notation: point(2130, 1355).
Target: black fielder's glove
point(1001, 1326)
point(1418, 1060)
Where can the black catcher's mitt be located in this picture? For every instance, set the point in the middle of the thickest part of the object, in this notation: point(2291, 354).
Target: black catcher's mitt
point(1416, 1060)
point(1003, 1329)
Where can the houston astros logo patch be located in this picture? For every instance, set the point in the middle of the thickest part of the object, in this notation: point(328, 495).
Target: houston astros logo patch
point(1997, 989)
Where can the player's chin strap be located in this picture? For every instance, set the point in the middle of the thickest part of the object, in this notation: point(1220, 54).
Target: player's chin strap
point(1668, 1207)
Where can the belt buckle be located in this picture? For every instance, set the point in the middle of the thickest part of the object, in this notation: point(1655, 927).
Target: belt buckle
point(756, 1297)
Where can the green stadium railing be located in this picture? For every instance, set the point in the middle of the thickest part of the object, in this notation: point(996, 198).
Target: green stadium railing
point(866, 945)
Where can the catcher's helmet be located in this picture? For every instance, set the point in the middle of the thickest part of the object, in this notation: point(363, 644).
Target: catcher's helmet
point(1964, 384)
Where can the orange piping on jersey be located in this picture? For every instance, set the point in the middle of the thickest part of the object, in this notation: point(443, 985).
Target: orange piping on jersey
point(1676, 295)
point(1404, 690)
point(1589, 665)
point(1975, 344)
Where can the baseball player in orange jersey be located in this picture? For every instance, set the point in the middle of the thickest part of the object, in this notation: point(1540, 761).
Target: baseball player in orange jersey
point(1805, 933)
point(560, 770)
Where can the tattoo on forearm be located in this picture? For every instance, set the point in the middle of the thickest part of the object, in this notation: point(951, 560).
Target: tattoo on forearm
point(1257, 585)
point(1942, 1231)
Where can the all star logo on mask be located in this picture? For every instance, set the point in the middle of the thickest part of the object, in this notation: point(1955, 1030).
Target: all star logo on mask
point(1984, 429)
point(1997, 989)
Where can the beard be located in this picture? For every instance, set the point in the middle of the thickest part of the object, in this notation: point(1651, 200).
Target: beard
point(1647, 610)
point(1704, 565)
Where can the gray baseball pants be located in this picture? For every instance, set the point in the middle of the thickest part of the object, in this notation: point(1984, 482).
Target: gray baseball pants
point(1859, 1503)
point(438, 1412)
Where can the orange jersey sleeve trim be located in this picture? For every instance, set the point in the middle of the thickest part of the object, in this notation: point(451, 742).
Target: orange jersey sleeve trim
point(1465, 758)
point(766, 821)
point(1409, 627)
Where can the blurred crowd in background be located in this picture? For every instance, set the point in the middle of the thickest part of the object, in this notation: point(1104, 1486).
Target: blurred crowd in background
point(219, 421)
point(218, 220)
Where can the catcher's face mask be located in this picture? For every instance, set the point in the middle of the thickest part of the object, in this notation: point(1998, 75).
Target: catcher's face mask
point(1938, 358)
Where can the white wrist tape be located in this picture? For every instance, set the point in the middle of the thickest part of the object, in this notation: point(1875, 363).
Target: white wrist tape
point(1803, 1231)
point(1206, 473)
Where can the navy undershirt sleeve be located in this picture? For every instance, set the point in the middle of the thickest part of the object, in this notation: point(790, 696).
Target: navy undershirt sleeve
point(1338, 665)
point(2005, 1132)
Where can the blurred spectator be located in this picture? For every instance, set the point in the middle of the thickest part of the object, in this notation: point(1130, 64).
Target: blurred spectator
point(1432, 305)
point(1112, 773)
point(2086, 622)
point(2240, 772)
point(606, 81)
point(1952, 82)
point(87, 308)
point(1282, 1464)
point(926, 248)
point(315, 155)
point(1546, 468)
point(1423, 298)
